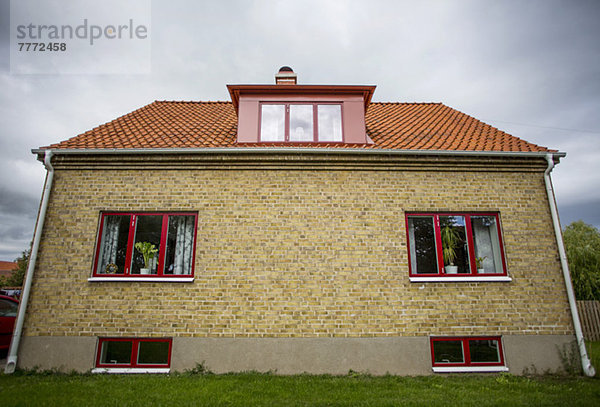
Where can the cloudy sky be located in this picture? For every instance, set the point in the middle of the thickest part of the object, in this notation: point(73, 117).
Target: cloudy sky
point(531, 68)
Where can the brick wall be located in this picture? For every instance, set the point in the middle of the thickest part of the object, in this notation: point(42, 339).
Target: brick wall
point(295, 252)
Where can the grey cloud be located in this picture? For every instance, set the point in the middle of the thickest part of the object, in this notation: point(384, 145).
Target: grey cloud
point(16, 230)
point(588, 211)
point(17, 233)
point(4, 35)
point(17, 203)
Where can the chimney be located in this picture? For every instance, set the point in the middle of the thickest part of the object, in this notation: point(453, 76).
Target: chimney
point(286, 76)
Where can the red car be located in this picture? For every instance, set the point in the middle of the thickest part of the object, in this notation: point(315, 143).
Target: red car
point(8, 314)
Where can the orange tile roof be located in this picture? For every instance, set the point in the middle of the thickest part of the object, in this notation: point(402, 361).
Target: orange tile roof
point(7, 268)
point(398, 126)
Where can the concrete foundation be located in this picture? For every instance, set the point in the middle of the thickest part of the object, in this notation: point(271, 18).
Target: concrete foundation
point(379, 355)
point(537, 354)
point(399, 355)
point(64, 353)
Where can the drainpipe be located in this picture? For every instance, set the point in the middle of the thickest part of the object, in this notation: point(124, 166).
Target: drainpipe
point(588, 369)
point(11, 362)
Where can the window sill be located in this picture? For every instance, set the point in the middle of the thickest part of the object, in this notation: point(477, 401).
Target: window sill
point(458, 279)
point(469, 369)
point(121, 370)
point(145, 279)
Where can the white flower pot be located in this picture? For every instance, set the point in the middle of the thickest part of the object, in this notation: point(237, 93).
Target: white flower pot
point(481, 271)
point(144, 271)
point(451, 269)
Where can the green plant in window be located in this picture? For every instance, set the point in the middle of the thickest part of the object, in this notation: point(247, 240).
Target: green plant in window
point(450, 242)
point(148, 250)
point(479, 261)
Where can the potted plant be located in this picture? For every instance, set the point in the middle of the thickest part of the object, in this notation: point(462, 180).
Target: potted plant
point(148, 250)
point(450, 241)
point(479, 261)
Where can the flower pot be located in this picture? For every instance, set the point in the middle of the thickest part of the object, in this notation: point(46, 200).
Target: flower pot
point(451, 269)
point(480, 271)
point(144, 271)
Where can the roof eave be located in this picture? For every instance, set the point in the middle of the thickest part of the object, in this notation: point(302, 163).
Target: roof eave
point(365, 90)
point(274, 150)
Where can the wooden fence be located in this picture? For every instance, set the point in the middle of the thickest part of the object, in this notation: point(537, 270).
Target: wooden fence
point(589, 314)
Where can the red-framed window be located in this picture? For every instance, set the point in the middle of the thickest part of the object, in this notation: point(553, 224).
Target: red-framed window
point(134, 352)
point(466, 351)
point(168, 237)
point(301, 123)
point(455, 244)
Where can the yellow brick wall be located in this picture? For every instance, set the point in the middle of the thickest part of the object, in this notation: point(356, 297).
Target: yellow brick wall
point(297, 253)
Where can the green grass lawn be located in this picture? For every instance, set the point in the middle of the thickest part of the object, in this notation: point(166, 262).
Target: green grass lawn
point(594, 354)
point(254, 389)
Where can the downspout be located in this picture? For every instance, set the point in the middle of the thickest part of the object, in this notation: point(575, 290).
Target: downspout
point(588, 369)
point(11, 362)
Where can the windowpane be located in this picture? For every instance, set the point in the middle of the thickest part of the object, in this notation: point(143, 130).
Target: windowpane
point(126, 252)
point(301, 123)
point(153, 353)
point(487, 244)
point(448, 352)
point(330, 122)
point(454, 244)
point(423, 256)
point(116, 352)
point(180, 244)
point(8, 308)
point(113, 246)
point(484, 351)
point(147, 232)
point(272, 123)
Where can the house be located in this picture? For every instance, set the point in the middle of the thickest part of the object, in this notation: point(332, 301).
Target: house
point(7, 268)
point(297, 228)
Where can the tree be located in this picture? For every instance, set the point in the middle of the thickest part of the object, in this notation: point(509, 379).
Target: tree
point(582, 243)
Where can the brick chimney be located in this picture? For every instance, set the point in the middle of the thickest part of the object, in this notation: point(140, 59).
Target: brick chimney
point(286, 76)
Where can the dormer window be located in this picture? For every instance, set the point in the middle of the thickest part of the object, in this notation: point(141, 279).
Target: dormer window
point(301, 122)
point(287, 113)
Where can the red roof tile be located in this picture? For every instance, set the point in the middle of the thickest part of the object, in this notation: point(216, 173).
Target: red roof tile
point(7, 268)
point(399, 126)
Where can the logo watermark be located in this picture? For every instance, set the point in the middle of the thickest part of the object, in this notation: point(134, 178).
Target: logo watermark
point(80, 37)
point(84, 31)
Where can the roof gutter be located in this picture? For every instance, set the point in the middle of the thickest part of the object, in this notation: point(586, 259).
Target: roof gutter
point(588, 369)
point(11, 363)
point(297, 150)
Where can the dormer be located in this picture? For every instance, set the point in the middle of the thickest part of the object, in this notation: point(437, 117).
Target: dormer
point(288, 113)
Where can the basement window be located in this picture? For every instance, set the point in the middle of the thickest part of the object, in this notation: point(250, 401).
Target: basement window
point(148, 245)
point(455, 246)
point(467, 354)
point(133, 355)
point(301, 122)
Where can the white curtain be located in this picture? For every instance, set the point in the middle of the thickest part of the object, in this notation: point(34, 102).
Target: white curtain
point(413, 247)
point(183, 244)
point(110, 240)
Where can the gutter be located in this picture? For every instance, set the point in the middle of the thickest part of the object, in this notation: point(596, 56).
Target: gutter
point(586, 364)
point(291, 150)
point(11, 363)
